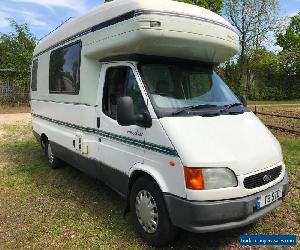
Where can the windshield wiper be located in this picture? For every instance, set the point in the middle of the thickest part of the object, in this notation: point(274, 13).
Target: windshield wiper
point(230, 106)
point(201, 106)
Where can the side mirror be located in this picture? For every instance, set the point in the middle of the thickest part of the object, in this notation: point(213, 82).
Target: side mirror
point(244, 100)
point(127, 117)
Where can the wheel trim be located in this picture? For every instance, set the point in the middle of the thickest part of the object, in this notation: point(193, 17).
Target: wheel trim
point(146, 211)
point(50, 154)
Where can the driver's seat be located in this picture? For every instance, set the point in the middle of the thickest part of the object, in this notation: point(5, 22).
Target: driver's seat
point(163, 88)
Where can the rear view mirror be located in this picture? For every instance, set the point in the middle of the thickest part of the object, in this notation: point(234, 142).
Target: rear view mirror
point(127, 117)
point(125, 111)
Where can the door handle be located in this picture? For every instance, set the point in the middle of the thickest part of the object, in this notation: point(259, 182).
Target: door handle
point(98, 122)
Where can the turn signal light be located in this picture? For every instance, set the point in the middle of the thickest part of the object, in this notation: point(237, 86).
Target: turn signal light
point(194, 178)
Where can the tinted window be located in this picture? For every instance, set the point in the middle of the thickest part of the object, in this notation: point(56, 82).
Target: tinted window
point(34, 75)
point(120, 81)
point(64, 72)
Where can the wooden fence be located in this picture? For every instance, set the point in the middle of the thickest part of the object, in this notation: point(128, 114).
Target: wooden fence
point(285, 130)
point(10, 93)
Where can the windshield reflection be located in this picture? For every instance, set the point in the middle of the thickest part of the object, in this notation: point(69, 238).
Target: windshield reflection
point(176, 87)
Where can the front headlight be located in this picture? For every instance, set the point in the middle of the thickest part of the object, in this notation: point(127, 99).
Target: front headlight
point(209, 178)
point(215, 178)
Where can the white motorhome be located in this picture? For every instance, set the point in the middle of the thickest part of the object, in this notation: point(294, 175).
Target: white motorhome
point(127, 93)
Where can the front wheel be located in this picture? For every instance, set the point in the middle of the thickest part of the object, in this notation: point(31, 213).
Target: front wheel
point(149, 213)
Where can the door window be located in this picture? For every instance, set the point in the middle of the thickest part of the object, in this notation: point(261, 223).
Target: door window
point(119, 82)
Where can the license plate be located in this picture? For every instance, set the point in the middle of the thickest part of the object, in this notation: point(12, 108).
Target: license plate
point(268, 198)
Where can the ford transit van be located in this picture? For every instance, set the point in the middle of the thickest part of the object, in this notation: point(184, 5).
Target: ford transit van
point(128, 93)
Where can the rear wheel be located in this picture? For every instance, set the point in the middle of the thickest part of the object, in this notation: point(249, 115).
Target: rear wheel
point(149, 213)
point(53, 162)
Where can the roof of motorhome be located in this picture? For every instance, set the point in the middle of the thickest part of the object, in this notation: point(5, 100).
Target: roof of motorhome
point(117, 8)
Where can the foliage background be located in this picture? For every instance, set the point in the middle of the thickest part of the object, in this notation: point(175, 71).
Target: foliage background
point(256, 71)
point(16, 50)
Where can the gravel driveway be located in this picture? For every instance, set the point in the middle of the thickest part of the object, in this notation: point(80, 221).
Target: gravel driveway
point(15, 118)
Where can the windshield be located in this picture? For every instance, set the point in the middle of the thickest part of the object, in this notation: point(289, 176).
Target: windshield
point(174, 87)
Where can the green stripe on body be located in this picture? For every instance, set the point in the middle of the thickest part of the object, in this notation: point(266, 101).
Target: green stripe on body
point(120, 138)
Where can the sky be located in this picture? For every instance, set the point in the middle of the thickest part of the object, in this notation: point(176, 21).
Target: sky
point(42, 16)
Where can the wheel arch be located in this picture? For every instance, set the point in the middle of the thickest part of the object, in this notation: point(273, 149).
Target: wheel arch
point(139, 170)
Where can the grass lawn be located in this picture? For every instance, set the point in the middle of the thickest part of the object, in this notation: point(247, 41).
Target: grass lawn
point(64, 209)
point(13, 109)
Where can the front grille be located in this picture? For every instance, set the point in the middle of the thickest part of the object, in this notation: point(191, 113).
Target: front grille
point(262, 178)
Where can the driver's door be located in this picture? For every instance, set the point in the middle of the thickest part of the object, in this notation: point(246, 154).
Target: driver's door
point(120, 147)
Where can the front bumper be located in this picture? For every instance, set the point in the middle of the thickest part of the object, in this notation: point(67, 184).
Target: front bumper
point(206, 216)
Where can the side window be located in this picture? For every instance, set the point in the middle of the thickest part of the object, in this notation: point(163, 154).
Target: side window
point(34, 75)
point(120, 81)
point(64, 70)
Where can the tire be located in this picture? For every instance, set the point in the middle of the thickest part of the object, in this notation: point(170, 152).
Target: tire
point(53, 162)
point(144, 192)
point(43, 145)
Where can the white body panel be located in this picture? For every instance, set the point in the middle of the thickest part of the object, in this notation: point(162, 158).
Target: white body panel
point(183, 32)
point(239, 142)
point(176, 37)
point(116, 8)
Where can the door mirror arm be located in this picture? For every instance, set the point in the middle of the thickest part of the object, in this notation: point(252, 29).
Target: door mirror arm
point(146, 120)
point(244, 100)
point(126, 116)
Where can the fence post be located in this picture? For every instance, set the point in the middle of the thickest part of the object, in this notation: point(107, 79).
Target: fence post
point(255, 111)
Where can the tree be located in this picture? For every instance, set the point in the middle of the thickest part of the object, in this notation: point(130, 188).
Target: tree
point(213, 5)
point(289, 57)
point(254, 20)
point(290, 38)
point(16, 50)
point(229, 72)
point(265, 75)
